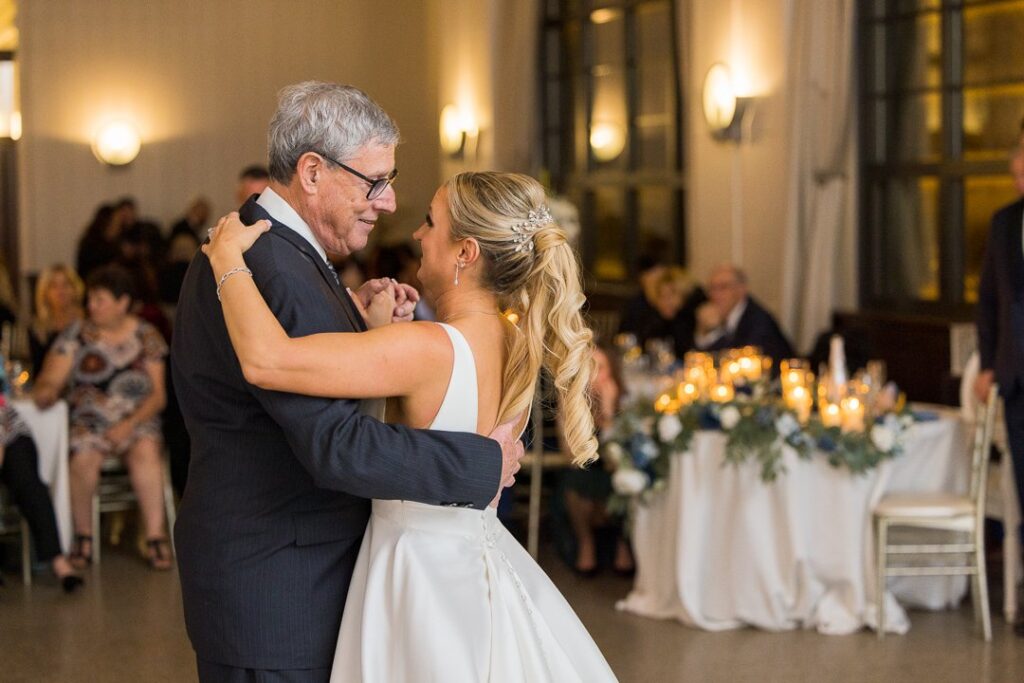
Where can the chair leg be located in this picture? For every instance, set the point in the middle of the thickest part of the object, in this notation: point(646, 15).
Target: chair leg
point(1011, 571)
point(97, 536)
point(171, 513)
point(982, 606)
point(26, 553)
point(880, 543)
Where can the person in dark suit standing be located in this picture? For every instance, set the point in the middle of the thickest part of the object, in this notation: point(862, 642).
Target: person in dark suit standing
point(279, 484)
point(732, 318)
point(1000, 320)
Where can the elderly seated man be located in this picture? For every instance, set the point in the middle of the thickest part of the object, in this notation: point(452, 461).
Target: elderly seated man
point(732, 318)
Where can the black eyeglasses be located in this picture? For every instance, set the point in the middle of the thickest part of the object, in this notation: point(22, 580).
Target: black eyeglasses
point(377, 185)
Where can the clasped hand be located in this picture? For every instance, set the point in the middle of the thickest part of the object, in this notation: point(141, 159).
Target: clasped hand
point(380, 301)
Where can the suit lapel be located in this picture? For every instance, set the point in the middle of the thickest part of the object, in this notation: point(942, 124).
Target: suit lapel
point(1015, 246)
point(252, 212)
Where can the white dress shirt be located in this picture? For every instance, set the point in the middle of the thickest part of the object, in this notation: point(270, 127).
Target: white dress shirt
point(732, 321)
point(282, 212)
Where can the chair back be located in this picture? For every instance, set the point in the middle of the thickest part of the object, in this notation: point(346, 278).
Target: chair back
point(984, 425)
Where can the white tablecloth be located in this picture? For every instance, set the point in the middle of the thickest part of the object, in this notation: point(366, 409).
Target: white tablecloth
point(720, 549)
point(50, 431)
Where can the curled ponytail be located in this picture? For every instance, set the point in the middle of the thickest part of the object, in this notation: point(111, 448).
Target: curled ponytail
point(541, 284)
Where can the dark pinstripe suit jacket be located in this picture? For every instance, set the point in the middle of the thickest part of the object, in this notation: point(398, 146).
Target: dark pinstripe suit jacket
point(1000, 313)
point(279, 484)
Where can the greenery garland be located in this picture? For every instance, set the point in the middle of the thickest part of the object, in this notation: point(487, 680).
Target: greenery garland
point(642, 441)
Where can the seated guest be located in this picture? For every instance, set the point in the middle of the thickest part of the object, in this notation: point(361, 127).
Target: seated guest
point(732, 318)
point(100, 245)
point(19, 471)
point(664, 309)
point(113, 366)
point(8, 301)
point(59, 294)
point(585, 492)
point(140, 239)
point(182, 246)
point(195, 221)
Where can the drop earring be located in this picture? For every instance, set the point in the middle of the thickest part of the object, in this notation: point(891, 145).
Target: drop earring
point(458, 267)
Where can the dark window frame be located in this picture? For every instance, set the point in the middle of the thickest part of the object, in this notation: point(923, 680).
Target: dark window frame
point(565, 135)
point(951, 168)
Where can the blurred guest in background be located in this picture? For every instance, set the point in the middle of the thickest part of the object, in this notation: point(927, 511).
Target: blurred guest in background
point(8, 300)
point(100, 245)
point(180, 250)
point(252, 180)
point(19, 471)
point(141, 239)
point(1000, 326)
point(113, 366)
point(733, 318)
point(352, 272)
point(195, 220)
point(665, 308)
point(584, 493)
point(146, 299)
point(59, 295)
point(401, 262)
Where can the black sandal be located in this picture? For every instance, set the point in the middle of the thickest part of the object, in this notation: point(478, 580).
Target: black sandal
point(79, 558)
point(159, 554)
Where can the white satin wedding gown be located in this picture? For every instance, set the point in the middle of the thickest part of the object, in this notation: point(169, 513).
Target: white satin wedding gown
point(444, 594)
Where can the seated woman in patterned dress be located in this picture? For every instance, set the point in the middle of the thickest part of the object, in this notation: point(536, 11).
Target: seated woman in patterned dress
point(113, 367)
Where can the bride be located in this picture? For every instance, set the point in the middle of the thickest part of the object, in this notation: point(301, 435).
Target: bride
point(443, 593)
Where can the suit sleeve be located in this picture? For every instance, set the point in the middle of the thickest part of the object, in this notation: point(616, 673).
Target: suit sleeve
point(988, 302)
point(348, 451)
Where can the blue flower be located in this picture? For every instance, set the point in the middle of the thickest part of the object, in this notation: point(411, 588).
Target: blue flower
point(765, 416)
point(707, 419)
point(642, 449)
point(827, 443)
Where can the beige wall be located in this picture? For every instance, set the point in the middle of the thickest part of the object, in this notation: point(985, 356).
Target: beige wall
point(199, 79)
point(737, 193)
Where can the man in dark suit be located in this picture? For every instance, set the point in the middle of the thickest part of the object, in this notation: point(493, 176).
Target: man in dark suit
point(732, 318)
point(279, 484)
point(1000, 320)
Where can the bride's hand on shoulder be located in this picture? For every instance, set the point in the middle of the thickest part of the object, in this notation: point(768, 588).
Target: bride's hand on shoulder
point(379, 311)
point(230, 238)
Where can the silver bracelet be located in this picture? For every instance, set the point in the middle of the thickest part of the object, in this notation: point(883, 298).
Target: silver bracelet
point(225, 276)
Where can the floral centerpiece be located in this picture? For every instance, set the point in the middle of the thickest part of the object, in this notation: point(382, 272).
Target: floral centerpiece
point(758, 423)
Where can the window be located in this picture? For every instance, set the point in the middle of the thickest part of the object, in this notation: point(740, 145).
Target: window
point(610, 108)
point(942, 100)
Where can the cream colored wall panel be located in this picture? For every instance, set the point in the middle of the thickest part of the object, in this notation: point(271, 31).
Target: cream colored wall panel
point(200, 81)
point(736, 203)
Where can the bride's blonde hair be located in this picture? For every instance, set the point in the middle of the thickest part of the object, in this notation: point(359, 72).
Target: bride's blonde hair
point(530, 266)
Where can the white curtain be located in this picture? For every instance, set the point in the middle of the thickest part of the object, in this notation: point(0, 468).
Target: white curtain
point(514, 43)
point(819, 258)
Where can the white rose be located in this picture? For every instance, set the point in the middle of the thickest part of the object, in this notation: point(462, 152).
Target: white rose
point(629, 482)
point(669, 427)
point(883, 438)
point(729, 417)
point(786, 425)
point(614, 453)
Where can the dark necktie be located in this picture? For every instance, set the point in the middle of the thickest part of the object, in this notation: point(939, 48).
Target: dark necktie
point(334, 273)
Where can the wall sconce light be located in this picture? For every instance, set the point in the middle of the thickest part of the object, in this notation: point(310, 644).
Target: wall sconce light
point(10, 116)
point(457, 131)
point(723, 109)
point(117, 143)
point(607, 140)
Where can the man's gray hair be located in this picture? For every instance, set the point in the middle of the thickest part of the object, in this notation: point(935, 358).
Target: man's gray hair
point(327, 118)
